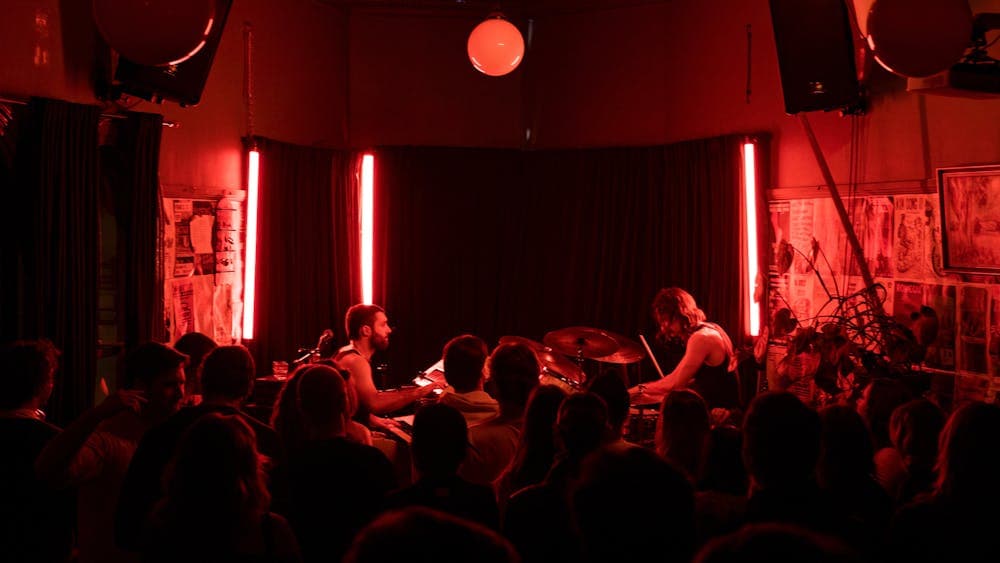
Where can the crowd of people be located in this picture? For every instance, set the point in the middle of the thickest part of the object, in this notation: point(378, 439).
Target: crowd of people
point(170, 467)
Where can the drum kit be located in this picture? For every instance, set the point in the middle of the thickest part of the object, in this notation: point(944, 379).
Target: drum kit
point(565, 353)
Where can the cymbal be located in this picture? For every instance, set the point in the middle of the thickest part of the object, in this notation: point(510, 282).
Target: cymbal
point(629, 351)
point(533, 344)
point(583, 341)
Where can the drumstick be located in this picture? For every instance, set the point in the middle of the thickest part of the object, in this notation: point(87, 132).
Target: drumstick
point(651, 356)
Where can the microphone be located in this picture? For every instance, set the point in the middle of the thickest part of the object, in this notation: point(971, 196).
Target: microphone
point(326, 346)
point(327, 336)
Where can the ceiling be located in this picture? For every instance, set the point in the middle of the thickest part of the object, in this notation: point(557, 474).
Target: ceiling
point(511, 8)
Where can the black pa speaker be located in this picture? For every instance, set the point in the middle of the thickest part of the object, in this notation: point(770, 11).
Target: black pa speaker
point(815, 54)
point(183, 82)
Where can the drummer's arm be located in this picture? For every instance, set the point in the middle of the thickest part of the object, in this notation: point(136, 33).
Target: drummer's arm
point(699, 346)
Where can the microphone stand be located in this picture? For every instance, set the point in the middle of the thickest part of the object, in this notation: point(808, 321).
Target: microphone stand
point(306, 354)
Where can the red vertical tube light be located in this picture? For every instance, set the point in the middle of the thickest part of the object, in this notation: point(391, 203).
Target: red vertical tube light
point(250, 267)
point(750, 203)
point(367, 226)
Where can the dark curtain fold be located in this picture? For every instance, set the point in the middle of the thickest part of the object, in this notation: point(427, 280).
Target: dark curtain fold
point(12, 120)
point(307, 216)
point(439, 220)
point(703, 218)
point(346, 211)
point(498, 242)
point(51, 254)
point(137, 193)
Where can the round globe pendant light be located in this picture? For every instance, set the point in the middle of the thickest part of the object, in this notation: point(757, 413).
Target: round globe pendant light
point(155, 32)
point(495, 46)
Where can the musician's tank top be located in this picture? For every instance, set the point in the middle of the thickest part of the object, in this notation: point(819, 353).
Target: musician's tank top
point(716, 384)
point(362, 413)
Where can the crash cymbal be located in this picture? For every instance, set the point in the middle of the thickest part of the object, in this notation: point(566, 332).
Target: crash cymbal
point(533, 344)
point(591, 343)
point(629, 351)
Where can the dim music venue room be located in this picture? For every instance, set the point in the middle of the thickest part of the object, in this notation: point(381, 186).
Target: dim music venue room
point(583, 281)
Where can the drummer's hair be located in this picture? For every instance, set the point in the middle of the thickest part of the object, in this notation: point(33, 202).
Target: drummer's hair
point(464, 357)
point(674, 302)
point(358, 316)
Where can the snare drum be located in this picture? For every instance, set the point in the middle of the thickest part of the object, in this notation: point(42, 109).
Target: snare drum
point(641, 426)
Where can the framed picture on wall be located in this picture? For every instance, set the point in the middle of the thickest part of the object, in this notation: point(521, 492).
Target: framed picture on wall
point(970, 218)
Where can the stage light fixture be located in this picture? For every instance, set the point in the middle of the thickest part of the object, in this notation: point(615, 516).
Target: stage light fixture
point(495, 46)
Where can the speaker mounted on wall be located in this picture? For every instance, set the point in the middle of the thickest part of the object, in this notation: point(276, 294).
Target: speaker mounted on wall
point(182, 82)
point(815, 55)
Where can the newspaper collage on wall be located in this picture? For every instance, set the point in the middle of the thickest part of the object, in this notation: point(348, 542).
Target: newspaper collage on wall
point(203, 269)
point(901, 239)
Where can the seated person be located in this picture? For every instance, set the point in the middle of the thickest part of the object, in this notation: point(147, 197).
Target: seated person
point(286, 420)
point(227, 380)
point(93, 453)
point(777, 543)
point(611, 387)
point(368, 330)
point(514, 370)
point(195, 346)
point(536, 449)
point(464, 359)
point(215, 505)
point(423, 534)
point(440, 440)
point(709, 363)
point(337, 486)
point(36, 522)
point(625, 479)
point(538, 519)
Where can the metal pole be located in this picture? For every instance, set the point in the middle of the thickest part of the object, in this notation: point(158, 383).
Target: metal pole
point(838, 203)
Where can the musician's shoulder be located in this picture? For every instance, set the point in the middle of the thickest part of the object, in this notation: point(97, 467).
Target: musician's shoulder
point(352, 361)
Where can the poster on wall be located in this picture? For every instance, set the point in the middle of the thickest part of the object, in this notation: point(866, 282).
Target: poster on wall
point(915, 244)
point(907, 299)
point(201, 253)
point(913, 300)
point(814, 229)
point(222, 306)
point(941, 353)
point(184, 259)
point(800, 297)
point(969, 388)
point(972, 329)
point(873, 219)
point(800, 234)
point(899, 237)
point(182, 307)
point(994, 332)
point(779, 234)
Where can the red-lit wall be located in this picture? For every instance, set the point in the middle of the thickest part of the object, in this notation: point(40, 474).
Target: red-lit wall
point(631, 76)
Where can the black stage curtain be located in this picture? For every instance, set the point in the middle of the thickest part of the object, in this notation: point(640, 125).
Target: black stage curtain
point(304, 255)
point(440, 216)
point(137, 197)
point(346, 225)
point(51, 244)
point(498, 242)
